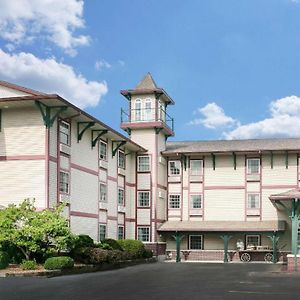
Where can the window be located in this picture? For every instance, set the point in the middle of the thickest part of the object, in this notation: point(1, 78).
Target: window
point(195, 242)
point(143, 234)
point(64, 133)
point(253, 201)
point(174, 201)
point(196, 201)
point(174, 167)
point(143, 163)
point(103, 150)
point(196, 167)
point(148, 110)
point(253, 166)
point(120, 197)
point(121, 159)
point(103, 192)
point(138, 110)
point(252, 240)
point(144, 199)
point(120, 232)
point(64, 182)
point(102, 232)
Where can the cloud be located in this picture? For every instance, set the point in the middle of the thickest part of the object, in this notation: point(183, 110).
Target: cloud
point(213, 117)
point(25, 20)
point(284, 121)
point(51, 76)
point(102, 64)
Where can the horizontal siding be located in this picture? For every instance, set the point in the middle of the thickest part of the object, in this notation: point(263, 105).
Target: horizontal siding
point(81, 225)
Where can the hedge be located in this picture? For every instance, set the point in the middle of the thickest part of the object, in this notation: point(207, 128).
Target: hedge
point(113, 243)
point(59, 263)
point(134, 247)
point(4, 260)
point(28, 265)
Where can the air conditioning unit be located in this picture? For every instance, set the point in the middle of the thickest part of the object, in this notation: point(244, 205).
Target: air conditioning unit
point(121, 209)
point(103, 164)
point(65, 149)
point(64, 198)
point(161, 194)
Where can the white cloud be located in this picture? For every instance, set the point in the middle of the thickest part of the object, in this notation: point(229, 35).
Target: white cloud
point(56, 20)
point(213, 117)
point(283, 122)
point(102, 64)
point(51, 76)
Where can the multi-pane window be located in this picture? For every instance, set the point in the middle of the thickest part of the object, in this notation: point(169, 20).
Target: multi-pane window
point(143, 234)
point(253, 165)
point(174, 201)
point(120, 232)
point(64, 132)
point(196, 167)
point(64, 182)
point(143, 163)
point(102, 150)
point(138, 107)
point(120, 197)
point(144, 199)
point(147, 110)
point(253, 201)
point(196, 201)
point(174, 167)
point(252, 240)
point(121, 159)
point(196, 242)
point(103, 192)
point(102, 232)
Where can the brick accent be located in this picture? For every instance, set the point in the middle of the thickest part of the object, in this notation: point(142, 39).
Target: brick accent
point(291, 266)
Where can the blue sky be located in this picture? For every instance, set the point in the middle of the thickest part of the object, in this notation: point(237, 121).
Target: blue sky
point(232, 67)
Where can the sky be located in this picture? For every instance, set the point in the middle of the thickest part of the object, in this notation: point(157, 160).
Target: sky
point(232, 67)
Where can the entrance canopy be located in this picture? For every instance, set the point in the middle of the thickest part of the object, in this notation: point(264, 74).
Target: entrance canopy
point(223, 226)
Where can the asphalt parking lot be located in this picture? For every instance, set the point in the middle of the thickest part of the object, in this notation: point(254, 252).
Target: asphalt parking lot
point(162, 281)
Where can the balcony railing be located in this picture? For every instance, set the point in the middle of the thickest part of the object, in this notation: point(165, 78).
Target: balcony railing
point(147, 115)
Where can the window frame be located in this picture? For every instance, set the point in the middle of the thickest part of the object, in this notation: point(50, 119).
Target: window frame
point(169, 201)
point(138, 111)
point(138, 163)
point(105, 232)
point(138, 198)
point(123, 198)
point(100, 194)
point(190, 242)
point(192, 202)
point(138, 236)
point(169, 167)
point(259, 162)
point(201, 167)
point(123, 232)
point(119, 165)
point(68, 135)
point(67, 183)
point(252, 235)
point(101, 142)
point(251, 194)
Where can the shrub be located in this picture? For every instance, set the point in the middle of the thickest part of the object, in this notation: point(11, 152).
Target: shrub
point(59, 263)
point(147, 253)
point(136, 248)
point(15, 255)
point(83, 240)
point(28, 265)
point(4, 260)
point(104, 246)
point(113, 243)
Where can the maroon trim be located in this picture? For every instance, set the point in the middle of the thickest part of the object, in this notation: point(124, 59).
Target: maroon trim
point(47, 166)
point(260, 186)
point(84, 169)
point(111, 218)
point(224, 187)
point(83, 214)
point(286, 186)
point(21, 88)
point(130, 184)
point(162, 187)
point(22, 157)
point(114, 179)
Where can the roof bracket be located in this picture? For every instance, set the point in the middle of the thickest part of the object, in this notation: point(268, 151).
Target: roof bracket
point(118, 146)
point(286, 159)
point(213, 161)
point(99, 134)
point(46, 111)
point(158, 130)
point(83, 130)
point(184, 158)
point(234, 160)
point(272, 161)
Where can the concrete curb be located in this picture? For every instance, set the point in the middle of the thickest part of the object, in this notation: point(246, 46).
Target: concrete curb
point(79, 269)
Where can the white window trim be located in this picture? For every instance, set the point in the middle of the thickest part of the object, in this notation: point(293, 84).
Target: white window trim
point(105, 231)
point(104, 184)
point(121, 226)
point(121, 167)
point(122, 189)
point(149, 238)
point(68, 173)
point(138, 202)
point(191, 235)
point(69, 134)
point(201, 201)
point(254, 158)
point(138, 164)
point(170, 202)
point(105, 143)
point(201, 170)
point(252, 235)
point(259, 204)
point(169, 168)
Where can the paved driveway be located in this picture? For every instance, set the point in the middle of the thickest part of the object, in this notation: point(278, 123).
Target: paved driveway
point(161, 281)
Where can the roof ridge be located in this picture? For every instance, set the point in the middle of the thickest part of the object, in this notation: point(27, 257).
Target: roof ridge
point(21, 88)
point(147, 82)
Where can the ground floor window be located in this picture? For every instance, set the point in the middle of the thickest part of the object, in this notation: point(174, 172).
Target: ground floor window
point(143, 234)
point(120, 232)
point(64, 182)
point(252, 240)
point(196, 242)
point(102, 232)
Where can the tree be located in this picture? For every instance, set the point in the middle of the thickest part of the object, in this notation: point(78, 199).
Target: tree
point(35, 231)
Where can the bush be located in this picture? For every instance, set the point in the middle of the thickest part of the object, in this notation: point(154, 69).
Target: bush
point(104, 246)
point(15, 255)
point(4, 260)
point(136, 248)
point(28, 265)
point(147, 253)
point(59, 263)
point(83, 240)
point(113, 243)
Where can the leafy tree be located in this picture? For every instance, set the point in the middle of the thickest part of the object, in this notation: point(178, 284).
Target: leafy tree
point(34, 231)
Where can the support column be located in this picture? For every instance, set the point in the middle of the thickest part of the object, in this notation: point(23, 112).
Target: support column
point(178, 237)
point(226, 238)
point(295, 225)
point(274, 238)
